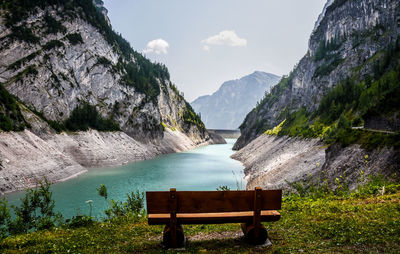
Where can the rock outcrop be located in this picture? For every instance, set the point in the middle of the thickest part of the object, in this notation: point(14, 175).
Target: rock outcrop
point(275, 162)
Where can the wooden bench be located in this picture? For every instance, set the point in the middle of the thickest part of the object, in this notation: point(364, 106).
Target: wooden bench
point(175, 208)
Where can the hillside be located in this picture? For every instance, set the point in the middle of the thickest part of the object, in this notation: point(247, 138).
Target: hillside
point(337, 113)
point(228, 106)
point(350, 71)
point(80, 96)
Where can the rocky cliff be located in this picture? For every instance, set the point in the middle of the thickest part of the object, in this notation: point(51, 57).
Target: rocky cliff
point(63, 69)
point(227, 107)
point(67, 61)
point(324, 120)
point(350, 41)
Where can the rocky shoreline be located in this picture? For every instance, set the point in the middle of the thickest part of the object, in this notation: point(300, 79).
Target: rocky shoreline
point(26, 158)
point(272, 161)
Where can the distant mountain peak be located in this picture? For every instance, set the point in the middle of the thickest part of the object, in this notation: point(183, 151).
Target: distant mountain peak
point(227, 107)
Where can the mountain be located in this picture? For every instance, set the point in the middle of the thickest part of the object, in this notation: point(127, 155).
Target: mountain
point(335, 119)
point(100, 6)
point(227, 107)
point(74, 94)
point(352, 51)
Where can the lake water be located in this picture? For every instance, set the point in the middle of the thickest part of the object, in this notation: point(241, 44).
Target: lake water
point(204, 168)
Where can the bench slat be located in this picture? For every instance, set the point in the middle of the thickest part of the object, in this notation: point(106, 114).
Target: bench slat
point(213, 218)
point(212, 201)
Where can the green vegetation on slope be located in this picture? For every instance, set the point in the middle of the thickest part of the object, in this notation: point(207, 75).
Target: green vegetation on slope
point(86, 116)
point(83, 117)
point(366, 220)
point(268, 100)
point(326, 49)
point(75, 38)
point(11, 118)
point(327, 52)
point(351, 102)
point(190, 117)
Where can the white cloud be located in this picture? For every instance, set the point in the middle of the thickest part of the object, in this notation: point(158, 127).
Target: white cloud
point(226, 38)
point(158, 46)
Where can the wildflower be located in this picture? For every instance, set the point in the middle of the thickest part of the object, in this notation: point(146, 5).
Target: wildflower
point(382, 191)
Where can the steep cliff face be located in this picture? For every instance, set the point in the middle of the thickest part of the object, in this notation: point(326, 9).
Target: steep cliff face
point(65, 72)
point(57, 57)
point(227, 107)
point(314, 117)
point(347, 42)
point(100, 6)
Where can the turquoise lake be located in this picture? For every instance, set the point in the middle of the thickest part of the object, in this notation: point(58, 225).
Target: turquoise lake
point(203, 168)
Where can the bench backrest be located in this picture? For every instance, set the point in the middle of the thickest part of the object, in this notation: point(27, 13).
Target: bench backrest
point(159, 202)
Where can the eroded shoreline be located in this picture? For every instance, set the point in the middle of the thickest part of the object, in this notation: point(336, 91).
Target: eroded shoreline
point(27, 158)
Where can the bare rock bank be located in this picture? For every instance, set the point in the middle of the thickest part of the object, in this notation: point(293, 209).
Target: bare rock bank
point(272, 161)
point(26, 157)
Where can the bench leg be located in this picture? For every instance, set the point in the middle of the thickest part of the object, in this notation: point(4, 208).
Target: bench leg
point(171, 240)
point(256, 235)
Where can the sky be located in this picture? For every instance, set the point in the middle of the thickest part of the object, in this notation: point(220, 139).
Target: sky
point(207, 42)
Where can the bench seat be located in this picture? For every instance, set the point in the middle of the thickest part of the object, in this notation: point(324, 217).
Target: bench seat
point(248, 207)
point(213, 218)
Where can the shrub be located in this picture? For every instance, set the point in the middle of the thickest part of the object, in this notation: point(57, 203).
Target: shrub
point(23, 34)
point(132, 206)
point(102, 191)
point(74, 38)
point(11, 118)
point(104, 61)
point(53, 26)
point(86, 116)
point(327, 68)
point(276, 129)
point(223, 188)
point(357, 121)
point(36, 211)
point(53, 44)
point(134, 202)
point(4, 218)
point(190, 117)
point(326, 48)
point(79, 221)
point(19, 63)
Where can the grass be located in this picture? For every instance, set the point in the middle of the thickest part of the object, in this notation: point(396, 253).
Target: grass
point(352, 224)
